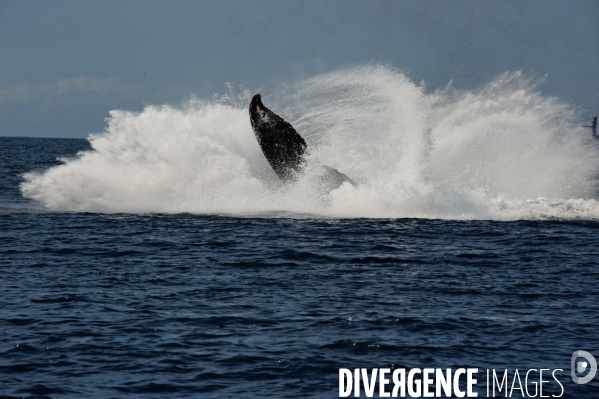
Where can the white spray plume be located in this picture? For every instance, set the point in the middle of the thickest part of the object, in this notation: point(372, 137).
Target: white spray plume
point(502, 152)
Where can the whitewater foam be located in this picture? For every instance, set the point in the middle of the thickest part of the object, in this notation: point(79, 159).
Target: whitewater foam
point(504, 151)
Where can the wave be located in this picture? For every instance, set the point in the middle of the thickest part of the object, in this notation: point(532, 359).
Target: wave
point(503, 151)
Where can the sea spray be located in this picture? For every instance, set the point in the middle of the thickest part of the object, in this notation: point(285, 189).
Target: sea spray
point(503, 151)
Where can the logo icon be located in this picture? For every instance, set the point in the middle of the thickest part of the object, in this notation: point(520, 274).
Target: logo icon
point(582, 366)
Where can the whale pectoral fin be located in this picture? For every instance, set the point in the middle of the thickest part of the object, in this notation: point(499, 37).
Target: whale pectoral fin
point(330, 179)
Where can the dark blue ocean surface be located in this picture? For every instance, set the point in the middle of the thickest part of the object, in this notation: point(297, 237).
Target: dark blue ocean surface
point(208, 306)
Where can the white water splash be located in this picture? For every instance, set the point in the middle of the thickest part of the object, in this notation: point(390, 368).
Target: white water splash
point(501, 152)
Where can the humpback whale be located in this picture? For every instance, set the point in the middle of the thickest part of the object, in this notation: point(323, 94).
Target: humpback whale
point(285, 149)
point(282, 146)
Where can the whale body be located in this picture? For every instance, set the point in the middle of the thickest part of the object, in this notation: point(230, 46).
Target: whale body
point(285, 149)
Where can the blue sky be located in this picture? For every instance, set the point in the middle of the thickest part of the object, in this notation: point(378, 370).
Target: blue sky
point(65, 64)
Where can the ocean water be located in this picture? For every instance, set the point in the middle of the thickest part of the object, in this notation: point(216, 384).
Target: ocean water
point(161, 258)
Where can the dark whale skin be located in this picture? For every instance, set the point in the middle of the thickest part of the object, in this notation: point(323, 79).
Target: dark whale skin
point(282, 146)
